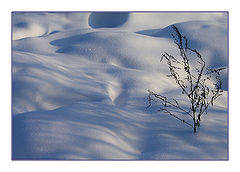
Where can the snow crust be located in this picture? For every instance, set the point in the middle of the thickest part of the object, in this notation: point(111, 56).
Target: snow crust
point(79, 85)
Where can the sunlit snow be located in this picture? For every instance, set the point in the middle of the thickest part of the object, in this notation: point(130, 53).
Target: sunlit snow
point(79, 84)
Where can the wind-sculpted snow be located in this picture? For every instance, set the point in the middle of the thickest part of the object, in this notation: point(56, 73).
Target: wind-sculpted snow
point(208, 37)
point(79, 87)
point(34, 24)
point(118, 48)
point(83, 130)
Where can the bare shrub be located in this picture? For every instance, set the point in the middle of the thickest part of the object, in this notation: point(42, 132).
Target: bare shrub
point(201, 85)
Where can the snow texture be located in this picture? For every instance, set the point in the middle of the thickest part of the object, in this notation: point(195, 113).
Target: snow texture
point(79, 85)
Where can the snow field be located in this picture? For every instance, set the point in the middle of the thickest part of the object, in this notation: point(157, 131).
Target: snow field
point(79, 87)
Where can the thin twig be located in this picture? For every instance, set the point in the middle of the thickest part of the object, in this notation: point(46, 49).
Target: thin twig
point(169, 113)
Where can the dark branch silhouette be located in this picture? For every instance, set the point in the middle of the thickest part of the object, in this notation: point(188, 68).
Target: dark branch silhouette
point(201, 85)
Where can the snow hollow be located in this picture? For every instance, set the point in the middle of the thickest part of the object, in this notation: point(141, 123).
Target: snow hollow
point(79, 82)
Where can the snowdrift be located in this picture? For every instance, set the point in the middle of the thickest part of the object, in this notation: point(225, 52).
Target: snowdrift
point(79, 85)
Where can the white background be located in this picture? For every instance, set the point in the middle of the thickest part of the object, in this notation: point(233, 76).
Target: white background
point(124, 5)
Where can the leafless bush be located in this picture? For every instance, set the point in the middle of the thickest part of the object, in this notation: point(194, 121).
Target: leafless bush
point(201, 85)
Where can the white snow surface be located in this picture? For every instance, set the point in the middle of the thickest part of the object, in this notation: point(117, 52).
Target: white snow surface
point(79, 84)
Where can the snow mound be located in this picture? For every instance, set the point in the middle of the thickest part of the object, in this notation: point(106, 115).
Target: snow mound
point(35, 24)
point(148, 21)
point(117, 48)
point(23, 30)
point(107, 19)
point(211, 42)
point(74, 133)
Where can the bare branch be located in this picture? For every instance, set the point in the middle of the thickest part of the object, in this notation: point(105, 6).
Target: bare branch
point(193, 84)
point(166, 102)
point(171, 114)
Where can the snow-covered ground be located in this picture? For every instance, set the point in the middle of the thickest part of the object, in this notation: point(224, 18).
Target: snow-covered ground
point(79, 84)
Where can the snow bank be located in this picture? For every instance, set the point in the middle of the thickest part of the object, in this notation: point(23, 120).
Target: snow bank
point(79, 86)
point(146, 21)
point(34, 24)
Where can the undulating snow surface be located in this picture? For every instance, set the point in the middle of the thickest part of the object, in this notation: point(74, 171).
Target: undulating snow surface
point(79, 84)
